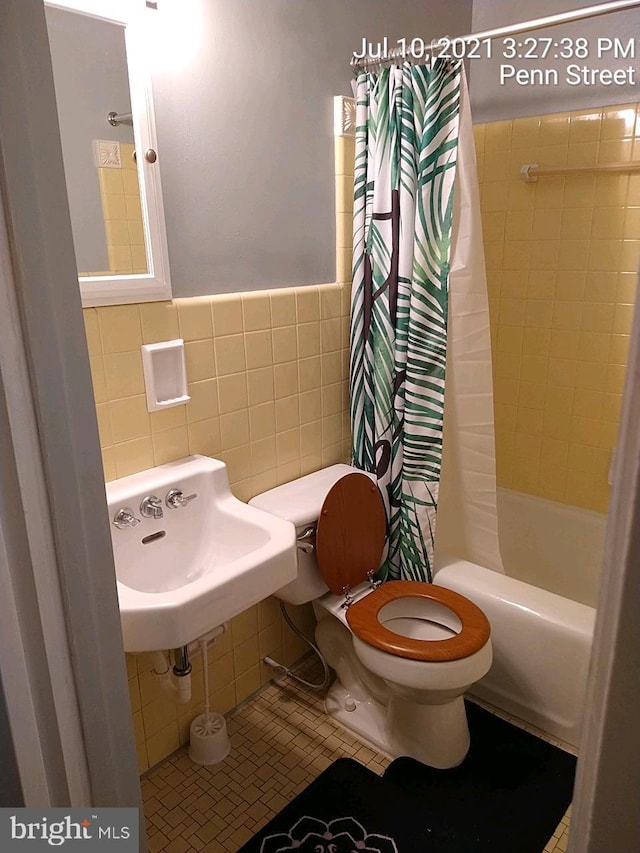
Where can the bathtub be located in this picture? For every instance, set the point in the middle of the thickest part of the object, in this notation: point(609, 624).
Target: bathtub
point(541, 637)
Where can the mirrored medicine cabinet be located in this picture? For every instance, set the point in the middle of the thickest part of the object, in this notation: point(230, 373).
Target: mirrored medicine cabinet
point(107, 128)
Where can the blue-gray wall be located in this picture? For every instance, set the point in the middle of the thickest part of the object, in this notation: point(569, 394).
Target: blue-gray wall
point(491, 101)
point(245, 130)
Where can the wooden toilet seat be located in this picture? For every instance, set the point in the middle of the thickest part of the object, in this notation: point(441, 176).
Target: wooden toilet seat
point(349, 543)
point(365, 624)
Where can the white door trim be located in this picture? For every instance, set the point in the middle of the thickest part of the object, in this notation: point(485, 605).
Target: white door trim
point(31, 605)
point(62, 497)
point(606, 810)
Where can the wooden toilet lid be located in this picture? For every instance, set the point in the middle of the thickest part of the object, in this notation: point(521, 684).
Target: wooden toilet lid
point(351, 532)
point(365, 624)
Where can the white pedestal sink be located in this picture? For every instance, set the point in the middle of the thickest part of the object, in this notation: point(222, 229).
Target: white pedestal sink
point(205, 559)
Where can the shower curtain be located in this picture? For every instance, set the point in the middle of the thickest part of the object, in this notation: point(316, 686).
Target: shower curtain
point(408, 124)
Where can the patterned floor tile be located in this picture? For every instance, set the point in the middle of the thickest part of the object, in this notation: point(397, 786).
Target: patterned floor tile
point(281, 740)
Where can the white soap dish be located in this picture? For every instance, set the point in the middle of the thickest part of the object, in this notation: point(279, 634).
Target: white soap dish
point(165, 375)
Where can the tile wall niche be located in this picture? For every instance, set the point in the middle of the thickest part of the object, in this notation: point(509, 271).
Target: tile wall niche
point(562, 255)
point(268, 379)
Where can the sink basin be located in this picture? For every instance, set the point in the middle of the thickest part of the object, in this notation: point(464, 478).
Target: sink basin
point(208, 558)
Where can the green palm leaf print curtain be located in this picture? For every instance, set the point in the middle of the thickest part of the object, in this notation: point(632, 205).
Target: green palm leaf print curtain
point(405, 167)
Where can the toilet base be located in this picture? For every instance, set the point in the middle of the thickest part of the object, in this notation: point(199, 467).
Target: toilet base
point(367, 721)
point(391, 730)
point(437, 735)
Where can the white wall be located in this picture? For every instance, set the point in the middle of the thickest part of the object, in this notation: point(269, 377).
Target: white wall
point(491, 101)
point(243, 94)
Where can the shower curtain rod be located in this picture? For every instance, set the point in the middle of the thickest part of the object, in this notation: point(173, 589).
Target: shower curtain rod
point(502, 32)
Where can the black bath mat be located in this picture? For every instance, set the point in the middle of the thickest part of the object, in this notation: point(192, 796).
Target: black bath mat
point(347, 808)
point(509, 794)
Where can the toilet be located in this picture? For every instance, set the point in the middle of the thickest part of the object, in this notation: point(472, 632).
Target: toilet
point(404, 652)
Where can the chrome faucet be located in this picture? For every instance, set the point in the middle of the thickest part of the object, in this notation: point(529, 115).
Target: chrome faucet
point(125, 518)
point(151, 507)
point(175, 498)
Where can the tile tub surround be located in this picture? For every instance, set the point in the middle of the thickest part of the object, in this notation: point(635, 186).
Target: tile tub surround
point(561, 256)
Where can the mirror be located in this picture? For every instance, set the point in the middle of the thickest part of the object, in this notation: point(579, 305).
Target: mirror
point(105, 112)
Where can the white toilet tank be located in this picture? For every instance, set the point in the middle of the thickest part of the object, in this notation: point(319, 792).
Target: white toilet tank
point(300, 502)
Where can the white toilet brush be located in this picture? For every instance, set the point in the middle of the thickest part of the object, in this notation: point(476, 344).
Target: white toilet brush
point(209, 742)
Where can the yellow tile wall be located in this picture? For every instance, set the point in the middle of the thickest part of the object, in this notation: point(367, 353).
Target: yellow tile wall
point(561, 256)
point(268, 379)
point(120, 196)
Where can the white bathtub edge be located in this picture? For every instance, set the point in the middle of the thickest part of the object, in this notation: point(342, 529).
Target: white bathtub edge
point(541, 643)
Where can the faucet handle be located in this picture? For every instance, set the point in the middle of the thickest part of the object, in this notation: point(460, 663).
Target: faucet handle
point(125, 518)
point(151, 507)
point(175, 498)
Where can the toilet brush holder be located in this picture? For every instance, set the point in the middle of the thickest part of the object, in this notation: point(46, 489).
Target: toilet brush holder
point(209, 742)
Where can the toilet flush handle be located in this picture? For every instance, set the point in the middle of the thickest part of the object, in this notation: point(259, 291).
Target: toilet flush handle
point(303, 542)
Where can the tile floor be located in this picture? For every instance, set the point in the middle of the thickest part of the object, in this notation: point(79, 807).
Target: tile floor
point(281, 740)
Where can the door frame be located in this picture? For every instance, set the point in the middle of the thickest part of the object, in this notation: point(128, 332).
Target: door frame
point(63, 624)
